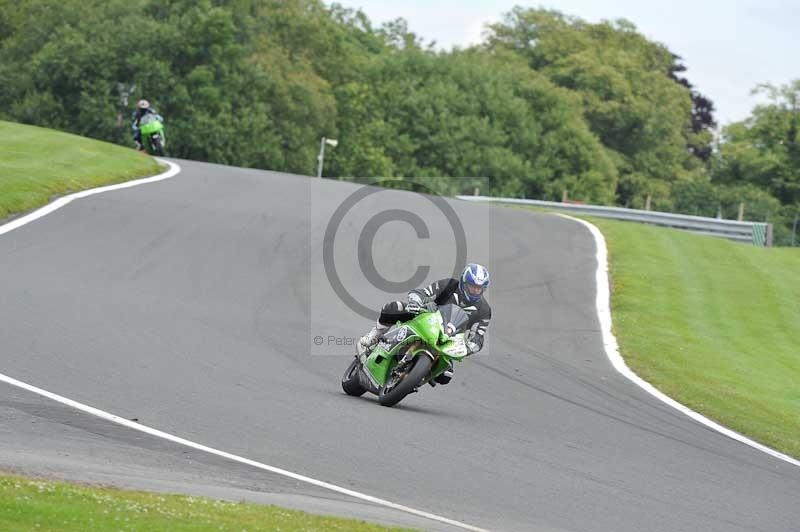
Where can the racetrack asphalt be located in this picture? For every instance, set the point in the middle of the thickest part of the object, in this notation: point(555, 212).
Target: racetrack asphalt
point(192, 305)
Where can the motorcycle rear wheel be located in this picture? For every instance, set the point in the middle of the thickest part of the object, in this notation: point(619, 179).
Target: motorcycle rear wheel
point(421, 368)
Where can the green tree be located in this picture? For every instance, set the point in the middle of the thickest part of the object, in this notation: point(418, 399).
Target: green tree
point(630, 102)
point(548, 103)
point(764, 149)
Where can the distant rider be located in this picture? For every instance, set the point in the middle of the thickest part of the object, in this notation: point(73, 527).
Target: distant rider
point(466, 292)
point(142, 108)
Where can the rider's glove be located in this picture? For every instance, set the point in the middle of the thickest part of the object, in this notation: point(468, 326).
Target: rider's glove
point(414, 297)
point(414, 304)
point(472, 345)
point(430, 306)
point(413, 307)
point(416, 308)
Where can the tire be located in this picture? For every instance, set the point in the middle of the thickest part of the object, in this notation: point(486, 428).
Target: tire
point(158, 147)
point(350, 383)
point(420, 370)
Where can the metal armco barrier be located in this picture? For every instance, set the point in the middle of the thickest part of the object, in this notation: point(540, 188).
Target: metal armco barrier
point(756, 233)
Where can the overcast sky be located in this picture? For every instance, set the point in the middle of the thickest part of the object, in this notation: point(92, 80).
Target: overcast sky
point(729, 46)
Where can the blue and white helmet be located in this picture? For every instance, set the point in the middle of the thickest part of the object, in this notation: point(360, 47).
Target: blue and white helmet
point(474, 280)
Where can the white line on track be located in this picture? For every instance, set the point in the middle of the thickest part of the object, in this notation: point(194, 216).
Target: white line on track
point(188, 443)
point(173, 170)
point(612, 350)
point(60, 202)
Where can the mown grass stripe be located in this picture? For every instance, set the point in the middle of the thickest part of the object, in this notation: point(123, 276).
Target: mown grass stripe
point(38, 164)
point(713, 324)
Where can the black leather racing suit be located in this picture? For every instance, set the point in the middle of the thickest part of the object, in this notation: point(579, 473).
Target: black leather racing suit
point(445, 292)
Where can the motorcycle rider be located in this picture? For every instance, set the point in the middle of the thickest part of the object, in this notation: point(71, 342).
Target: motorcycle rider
point(466, 292)
point(142, 108)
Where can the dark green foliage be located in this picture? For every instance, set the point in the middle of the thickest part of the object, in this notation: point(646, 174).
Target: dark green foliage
point(257, 83)
point(549, 103)
point(629, 96)
point(468, 114)
point(227, 93)
point(763, 153)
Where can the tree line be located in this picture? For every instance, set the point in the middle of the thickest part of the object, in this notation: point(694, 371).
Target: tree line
point(546, 103)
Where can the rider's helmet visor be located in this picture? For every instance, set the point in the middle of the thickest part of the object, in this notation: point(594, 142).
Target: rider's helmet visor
point(474, 290)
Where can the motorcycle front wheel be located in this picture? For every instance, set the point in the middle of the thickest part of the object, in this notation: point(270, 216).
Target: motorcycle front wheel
point(391, 395)
point(158, 146)
point(350, 383)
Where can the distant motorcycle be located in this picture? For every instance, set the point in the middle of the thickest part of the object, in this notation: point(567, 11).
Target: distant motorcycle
point(410, 354)
point(152, 130)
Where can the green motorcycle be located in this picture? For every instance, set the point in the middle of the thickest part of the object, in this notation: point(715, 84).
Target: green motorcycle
point(152, 129)
point(409, 355)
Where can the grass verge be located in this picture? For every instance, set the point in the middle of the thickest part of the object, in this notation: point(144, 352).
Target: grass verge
point(37, 164)
point(32, 504)
point(713, 324)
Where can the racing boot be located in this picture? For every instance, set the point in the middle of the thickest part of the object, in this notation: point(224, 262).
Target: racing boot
point(445, 377)
point(366, 342)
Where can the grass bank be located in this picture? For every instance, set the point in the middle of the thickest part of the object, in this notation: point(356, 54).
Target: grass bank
point(37, 164)
point(713, 324)
point(31, 504)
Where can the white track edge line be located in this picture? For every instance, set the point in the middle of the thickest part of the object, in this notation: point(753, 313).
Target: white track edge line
point(236, 458)
point(612, 350)
point(174, 170)
point(60, 202)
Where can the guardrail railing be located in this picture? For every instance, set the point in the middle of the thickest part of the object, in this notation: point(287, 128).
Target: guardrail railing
point(756, 233)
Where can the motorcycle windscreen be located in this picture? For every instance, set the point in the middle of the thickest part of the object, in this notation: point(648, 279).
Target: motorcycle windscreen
point(454, 318)
point(150, 124)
